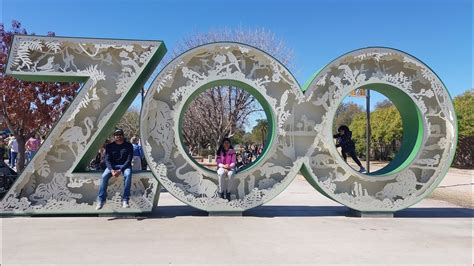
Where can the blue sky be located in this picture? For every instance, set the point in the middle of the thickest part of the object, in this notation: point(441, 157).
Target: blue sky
point(437, 32)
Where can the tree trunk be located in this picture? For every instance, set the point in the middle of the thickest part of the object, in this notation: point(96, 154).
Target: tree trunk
point(264, 133)
point(20, 165)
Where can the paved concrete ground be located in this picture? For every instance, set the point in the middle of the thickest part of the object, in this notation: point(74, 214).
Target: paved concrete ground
point(299, 226)
point(457, 187)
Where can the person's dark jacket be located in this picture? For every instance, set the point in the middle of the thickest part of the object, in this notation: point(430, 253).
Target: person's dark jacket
point(345, 141)
point(119, 154)
point(2, 152)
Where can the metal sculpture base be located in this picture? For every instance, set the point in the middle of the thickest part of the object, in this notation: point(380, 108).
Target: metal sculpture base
point(225, 213)
point(364, 214)
point(121, 215)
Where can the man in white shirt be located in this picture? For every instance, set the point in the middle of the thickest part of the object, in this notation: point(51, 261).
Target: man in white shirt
point(13, 145)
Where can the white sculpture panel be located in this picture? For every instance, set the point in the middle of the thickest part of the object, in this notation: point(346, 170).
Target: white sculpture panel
point(112, 73)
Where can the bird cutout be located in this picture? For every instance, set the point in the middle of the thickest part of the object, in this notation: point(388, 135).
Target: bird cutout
point(353, 77)
point(74, 136)
point(48, 66)
point(233, 61)
point(322, 101)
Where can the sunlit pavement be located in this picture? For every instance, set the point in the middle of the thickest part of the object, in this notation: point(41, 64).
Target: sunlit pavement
point(300, 226)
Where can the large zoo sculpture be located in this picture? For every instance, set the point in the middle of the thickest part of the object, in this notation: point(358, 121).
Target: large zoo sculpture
point(300, 121)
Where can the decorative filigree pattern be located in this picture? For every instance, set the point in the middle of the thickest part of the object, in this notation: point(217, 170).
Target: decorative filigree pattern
point(397, 189)
point(48, 183)
point(173, 87)
point(302, 127)
point(302, 124)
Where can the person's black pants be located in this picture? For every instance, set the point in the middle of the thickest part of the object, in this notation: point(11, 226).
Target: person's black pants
point(353, 155)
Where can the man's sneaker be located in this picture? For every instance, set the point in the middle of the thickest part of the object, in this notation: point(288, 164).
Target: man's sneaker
point(125, 204)
point(362, 170)
point(99, 206)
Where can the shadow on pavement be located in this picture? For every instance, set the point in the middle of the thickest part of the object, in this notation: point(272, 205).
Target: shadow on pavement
point(435, 213)
point(314, 211)
point(318, 211)
point(164, 212)
point(297, 211)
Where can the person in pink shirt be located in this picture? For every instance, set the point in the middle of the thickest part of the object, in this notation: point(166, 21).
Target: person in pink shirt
point(32, 145)
point(225, 168)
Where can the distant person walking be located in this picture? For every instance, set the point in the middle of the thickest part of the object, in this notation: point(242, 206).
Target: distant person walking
point(137, 154)
point(9, 150)
point(344, 140)
point(13, 145)
point(3, 150)
point(32, 145)
point(247, 156)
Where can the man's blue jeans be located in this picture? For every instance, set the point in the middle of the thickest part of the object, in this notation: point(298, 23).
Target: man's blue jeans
point(13, 156)
point(30, 155)
point(127, 174)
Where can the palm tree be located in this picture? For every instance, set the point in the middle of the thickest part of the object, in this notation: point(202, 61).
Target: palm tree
point(260, 130)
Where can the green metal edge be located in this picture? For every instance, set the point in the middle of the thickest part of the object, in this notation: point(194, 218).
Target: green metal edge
point(264, 101)
point(412, 124)
point(121, 109)
point(128, 99)
point(271, 134)
point(309, 177)
point(443, 173)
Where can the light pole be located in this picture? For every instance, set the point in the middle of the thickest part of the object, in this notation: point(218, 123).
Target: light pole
point(367, 135)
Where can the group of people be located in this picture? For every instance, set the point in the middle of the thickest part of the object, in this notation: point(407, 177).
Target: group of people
point(9, 146)
point(248, 154)
point(121, 157)
point(116, 158)
point(228, 164)
point(229, 161)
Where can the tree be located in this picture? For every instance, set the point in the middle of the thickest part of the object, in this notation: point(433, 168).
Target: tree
point(383, 104)
point(259, 131)
point(386, 132)
point(130, 122)
point(358, 128)
point(217, 113)
point(221, 111)
point(239, 136)
point(464, 107)
point(258, 37)
point(27, 108)
point(345, 113)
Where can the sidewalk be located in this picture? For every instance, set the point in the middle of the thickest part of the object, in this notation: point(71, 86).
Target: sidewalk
point(300, 226)
point(457, 186)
